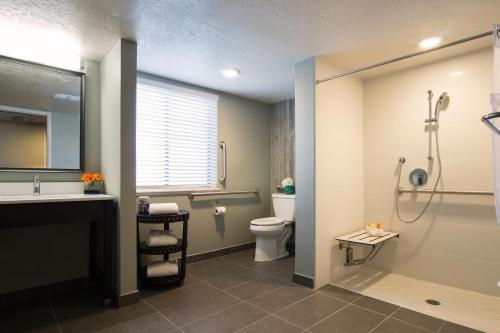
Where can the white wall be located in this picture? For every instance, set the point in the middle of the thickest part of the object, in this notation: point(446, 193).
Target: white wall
point(457, 241)
point(118, 92)
point(339, 168)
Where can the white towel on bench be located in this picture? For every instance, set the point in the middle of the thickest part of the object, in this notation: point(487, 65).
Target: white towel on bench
point(162, 268)
point(161, 238)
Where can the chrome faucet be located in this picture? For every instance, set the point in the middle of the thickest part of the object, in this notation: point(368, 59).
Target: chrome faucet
point(36, 184)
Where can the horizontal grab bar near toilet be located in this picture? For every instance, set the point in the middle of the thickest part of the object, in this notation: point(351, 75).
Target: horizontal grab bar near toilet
point(407, 190)
point(206, 194)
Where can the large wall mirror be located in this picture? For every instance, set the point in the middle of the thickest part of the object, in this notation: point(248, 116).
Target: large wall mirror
point(41, 117)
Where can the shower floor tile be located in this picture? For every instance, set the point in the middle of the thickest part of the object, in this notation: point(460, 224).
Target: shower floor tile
point(459, 306)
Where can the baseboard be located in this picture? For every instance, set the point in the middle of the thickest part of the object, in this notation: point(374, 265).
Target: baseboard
point(220, 252)
point(44, 291)
point(303, 280)
point(127, 299)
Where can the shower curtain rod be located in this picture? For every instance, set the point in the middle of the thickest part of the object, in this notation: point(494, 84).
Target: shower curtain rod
point(411, 55)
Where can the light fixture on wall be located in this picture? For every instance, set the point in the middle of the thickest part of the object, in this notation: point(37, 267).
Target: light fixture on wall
point(50, 47)
point(230, 72)
point(430, 42)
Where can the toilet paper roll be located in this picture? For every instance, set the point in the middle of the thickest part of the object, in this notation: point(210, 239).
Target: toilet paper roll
point(220, 211)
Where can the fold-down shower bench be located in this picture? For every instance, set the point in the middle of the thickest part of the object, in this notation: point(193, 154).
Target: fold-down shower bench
point(362, 238)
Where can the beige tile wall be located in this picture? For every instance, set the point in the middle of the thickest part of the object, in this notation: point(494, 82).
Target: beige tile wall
point(339, 168)
point(457, 242)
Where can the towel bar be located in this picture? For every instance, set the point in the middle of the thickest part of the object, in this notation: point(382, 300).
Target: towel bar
point(206, 194)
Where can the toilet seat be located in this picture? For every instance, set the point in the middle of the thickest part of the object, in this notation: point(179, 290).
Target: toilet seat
point(268, 221)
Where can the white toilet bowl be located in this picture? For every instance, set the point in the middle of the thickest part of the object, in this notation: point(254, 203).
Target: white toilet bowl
point(271, 235)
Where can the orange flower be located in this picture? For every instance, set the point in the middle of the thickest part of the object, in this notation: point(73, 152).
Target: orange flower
point(97, 176)
point(88, 177)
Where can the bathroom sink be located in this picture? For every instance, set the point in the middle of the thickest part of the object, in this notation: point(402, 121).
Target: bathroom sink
point(10, 199)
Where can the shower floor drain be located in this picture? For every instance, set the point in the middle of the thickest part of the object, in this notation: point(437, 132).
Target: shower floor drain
point(432, 302)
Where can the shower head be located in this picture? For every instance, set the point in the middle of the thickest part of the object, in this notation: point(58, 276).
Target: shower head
point(443, 101)
point(443, 98)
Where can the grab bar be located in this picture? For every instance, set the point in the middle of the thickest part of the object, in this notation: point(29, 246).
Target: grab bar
point(407, 190)
point(487, 121)
point(222, 146)
point(206, 194)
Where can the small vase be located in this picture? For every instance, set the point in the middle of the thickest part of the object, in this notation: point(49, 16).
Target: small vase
point(92, 187)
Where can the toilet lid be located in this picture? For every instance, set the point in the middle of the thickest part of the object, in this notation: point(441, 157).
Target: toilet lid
point(268, 221)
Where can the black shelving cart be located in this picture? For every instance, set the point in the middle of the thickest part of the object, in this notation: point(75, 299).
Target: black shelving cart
point(166, 251)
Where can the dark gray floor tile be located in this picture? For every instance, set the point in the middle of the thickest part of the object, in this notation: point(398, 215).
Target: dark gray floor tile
point(245, 258)
point(256, 287)
point(351, 319)
point(271, 325)
point(228, 320)
point(42, 321)
point(455, 328)
point(272, 267)
point(376, 305)
point(230, 280)
point(190, 280)
point(284, 274)
point(180, 296)
point(94, 317)
point(311, 310)
point(340, 293)
point(154, 323)
point(281, 297)
point(419, 319)
point(24, 308)
point(201, 307)
point(397, 326)
point(206, 270)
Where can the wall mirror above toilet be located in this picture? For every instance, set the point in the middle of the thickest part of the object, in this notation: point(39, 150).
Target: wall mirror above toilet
point(41, 117)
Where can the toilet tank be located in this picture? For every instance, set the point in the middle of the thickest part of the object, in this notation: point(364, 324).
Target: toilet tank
point(284, 206)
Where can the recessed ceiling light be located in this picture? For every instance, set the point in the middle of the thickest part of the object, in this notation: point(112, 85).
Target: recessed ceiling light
point(430, 42)
point(230, 72)
point(456, 73)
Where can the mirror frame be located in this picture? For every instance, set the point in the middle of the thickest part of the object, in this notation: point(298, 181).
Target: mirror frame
point(81, 75)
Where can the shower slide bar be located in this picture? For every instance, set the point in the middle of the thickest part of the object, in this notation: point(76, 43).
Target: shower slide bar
point(408, 190)
point(219, 193)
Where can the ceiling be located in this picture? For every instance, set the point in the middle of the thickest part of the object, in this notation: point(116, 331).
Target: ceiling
point(192, 40)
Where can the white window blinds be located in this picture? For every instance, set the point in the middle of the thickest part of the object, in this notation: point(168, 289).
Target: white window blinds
point(176, 137)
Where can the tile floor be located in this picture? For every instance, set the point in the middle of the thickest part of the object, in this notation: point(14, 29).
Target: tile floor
point(226, 294)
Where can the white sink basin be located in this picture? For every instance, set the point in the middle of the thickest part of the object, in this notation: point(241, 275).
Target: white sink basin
point(50, 192)
point(18, 199)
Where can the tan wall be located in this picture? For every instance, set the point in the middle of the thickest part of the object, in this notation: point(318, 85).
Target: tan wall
point(244, 126)
point(23, 145)
point(339, 168)
point(457, 241)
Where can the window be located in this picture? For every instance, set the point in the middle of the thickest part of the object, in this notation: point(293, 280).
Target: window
point(176, 137)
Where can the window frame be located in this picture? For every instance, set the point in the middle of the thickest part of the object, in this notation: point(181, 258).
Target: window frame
point(165, 189)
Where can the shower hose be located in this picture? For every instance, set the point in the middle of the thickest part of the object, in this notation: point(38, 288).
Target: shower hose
point(438, 155)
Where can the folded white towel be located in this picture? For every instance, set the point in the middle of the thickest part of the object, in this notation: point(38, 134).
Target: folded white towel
point(163, 208)
point(162, 268)
point(161, 238)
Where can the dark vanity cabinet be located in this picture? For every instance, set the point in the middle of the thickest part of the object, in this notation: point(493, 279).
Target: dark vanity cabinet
point(97, 210)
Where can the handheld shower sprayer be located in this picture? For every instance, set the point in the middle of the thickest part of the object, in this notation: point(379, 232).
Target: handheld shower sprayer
point(441, 104)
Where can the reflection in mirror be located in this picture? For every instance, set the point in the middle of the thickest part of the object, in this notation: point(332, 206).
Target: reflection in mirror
point(41, 112)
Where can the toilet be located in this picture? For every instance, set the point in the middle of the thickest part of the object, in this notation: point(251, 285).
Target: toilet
point(272, 232)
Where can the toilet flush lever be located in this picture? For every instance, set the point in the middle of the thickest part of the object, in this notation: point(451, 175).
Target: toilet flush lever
point(222, 146)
